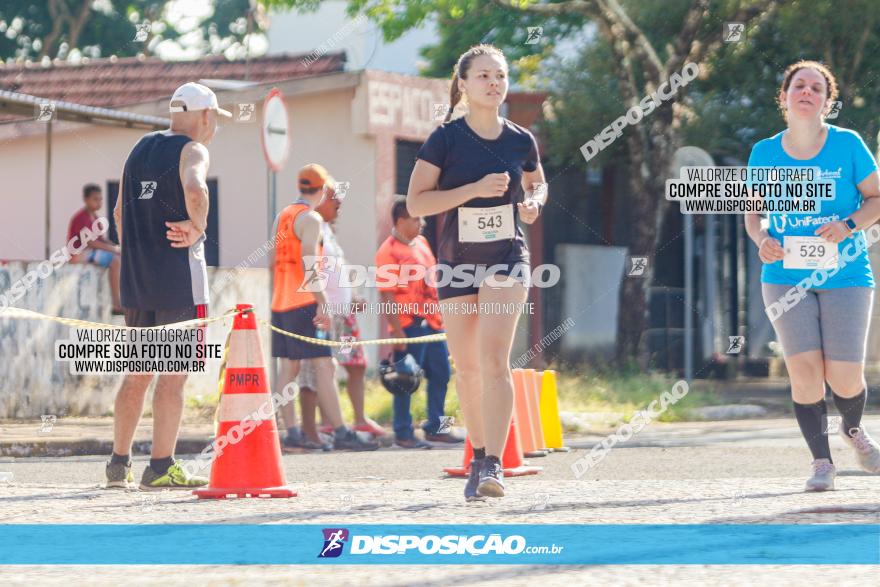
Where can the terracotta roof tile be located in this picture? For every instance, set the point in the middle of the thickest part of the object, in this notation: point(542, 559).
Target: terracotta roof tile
point(113, 83)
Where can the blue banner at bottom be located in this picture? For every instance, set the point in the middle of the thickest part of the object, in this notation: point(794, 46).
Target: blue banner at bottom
point(536, 544)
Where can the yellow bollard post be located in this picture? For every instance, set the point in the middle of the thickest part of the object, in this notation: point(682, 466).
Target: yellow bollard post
point(550, 421)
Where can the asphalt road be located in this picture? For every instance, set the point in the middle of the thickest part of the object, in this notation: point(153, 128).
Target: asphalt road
point(729, 472)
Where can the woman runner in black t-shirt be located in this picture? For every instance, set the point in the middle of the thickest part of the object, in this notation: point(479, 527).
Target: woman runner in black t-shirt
point(474, 169)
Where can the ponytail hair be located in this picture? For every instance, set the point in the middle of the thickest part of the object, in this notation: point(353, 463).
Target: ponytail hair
point(461, 69)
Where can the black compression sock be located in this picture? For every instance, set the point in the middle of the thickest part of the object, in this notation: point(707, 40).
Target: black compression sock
point(116, 459)
point(812, 419)
point(479, 453)
point(851, 409)
point(160, 466)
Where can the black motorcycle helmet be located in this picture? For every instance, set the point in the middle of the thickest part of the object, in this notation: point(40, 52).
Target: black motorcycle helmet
point(401, 376)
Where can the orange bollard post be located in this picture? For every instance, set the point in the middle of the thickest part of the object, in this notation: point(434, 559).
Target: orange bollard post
point(523, 415)
point(533, 388)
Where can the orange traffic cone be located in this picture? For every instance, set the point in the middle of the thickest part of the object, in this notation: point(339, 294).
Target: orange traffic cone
point(523, 415)
point(512, 459)
point(248, 453)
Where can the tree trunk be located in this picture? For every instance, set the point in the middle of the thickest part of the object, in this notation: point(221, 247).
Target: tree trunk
point(77, 24)
point(650, 154)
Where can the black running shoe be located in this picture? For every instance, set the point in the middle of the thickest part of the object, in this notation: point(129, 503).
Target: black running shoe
point(470, 490)
point(351, 440)
point(491, 478)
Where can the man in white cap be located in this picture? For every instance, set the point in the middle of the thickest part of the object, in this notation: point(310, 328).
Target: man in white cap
point(161, 215)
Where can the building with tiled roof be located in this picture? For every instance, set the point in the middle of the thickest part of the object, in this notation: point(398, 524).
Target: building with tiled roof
point(365, 127)
point(121, 82)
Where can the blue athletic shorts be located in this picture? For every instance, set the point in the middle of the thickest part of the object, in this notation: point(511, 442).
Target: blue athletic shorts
point(100, 257)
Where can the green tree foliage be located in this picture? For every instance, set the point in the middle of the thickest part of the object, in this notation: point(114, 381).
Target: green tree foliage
point(736, 104)
point(55, 28)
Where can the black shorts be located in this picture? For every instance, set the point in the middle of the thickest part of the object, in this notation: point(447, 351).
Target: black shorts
point(454, 288)
point(146, 318)
point(298, 321)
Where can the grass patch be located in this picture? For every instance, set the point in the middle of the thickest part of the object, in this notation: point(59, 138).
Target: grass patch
point(626, 392)
point(586, 391)
point(589, 390)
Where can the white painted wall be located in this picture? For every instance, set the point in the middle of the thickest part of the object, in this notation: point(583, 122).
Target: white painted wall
point(321, 131)
point(32, 382)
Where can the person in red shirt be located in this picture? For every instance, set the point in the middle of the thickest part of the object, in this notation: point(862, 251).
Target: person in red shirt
point(407, 247)
point(101, 251)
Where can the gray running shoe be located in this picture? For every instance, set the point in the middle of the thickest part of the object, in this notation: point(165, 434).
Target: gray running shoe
point(296, 439)
point(351, 440)
point(470, 490)
point(119, 476)
point(867, 450)
point(491, 478)
point(823, 476)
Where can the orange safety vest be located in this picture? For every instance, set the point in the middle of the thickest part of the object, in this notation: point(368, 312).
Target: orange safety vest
point(289, 269)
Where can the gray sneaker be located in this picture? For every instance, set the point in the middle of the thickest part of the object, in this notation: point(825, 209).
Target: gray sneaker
point(470, 489)
point(867, 450)
point(491, 478)
point(119, 476)
point(351, 440)
point(823, 476)
point(296, 439)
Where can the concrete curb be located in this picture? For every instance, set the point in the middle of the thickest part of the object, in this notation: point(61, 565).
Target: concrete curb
point(80, 447)
point(90, 446)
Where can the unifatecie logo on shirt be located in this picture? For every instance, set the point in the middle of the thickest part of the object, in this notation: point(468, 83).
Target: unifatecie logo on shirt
point(782, 221)
point(828, 174)
point(779, 222)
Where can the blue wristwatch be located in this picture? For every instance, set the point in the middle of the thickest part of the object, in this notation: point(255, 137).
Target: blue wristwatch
point(850, 224)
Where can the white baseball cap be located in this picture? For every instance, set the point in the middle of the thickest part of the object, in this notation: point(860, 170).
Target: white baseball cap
point(192, 96)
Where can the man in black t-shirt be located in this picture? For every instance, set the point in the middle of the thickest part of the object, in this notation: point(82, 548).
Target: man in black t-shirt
point(161, 216)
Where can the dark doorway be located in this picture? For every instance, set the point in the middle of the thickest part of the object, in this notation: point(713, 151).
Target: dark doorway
point(405, 156)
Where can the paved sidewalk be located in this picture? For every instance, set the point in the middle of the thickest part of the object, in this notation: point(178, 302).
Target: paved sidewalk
point(64, 437)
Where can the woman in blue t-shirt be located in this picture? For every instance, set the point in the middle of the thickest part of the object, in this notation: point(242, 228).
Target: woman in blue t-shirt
point(476, 171)
point(817, 283)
